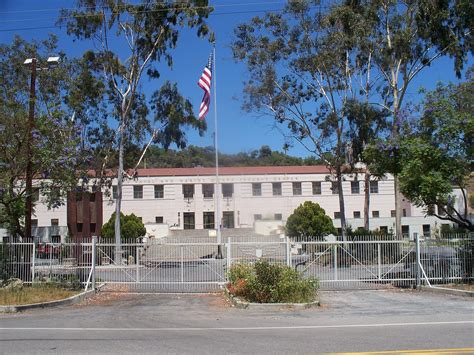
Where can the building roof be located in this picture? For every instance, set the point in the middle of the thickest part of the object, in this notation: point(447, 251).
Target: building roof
point(245, 170)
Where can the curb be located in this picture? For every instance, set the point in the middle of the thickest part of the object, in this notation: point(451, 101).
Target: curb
point(239, 303)
point(67, 301)
point(448, 291)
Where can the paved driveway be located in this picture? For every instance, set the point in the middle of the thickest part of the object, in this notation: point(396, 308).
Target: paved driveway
point(151, 323)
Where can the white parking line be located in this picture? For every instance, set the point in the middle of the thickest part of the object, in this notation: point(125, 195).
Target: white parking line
point(244, 328)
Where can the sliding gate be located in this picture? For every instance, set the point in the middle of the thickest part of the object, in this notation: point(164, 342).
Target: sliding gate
point(160, 267)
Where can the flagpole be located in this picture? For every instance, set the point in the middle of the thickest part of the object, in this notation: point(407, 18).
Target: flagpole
point(217, 192)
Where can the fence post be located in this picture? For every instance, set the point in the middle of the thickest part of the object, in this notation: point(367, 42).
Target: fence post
point(94, 256)
point(379, 261)
point(33, 264)
point(229, 256)
point(137, 261)
point(182, 266)
point(418, 260)
point(288, 252)
point(335, 261)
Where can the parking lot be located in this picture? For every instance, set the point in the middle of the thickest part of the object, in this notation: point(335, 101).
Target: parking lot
point(206, 323)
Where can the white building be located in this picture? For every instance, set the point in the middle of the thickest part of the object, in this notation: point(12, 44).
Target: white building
point(250, 197)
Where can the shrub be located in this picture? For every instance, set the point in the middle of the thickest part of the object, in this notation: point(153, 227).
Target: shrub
point(263, 282)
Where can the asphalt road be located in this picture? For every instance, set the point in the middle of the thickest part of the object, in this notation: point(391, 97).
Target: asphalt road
point(169, 323)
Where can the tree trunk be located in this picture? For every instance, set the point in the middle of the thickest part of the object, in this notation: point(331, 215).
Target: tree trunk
point(366, 200)
point(342, 209)
point(118, 201)
point(398, 208)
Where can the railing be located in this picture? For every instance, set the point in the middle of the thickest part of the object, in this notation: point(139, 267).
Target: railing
point(200, 264)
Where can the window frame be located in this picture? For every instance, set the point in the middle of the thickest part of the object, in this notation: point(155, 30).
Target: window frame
point(188, 193)
point(297, 188)
point(256, 191)
point(277, 187)
point(206, 189)
point(319, 187)
point(138, 192)
point(159, 191)
point(356, 185)
point(374, 187)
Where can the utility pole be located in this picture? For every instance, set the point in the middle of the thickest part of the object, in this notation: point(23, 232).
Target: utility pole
point(29, 172)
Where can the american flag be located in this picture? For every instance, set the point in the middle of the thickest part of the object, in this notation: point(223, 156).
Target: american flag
point(205, 84)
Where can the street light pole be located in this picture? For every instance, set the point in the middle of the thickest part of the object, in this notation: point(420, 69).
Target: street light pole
point(29, 143)
point(29, 172)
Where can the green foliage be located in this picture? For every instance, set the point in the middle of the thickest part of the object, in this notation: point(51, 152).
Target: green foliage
point(56, 151)
point(130, 227)
point(435, 154)
point(194, 156)
point(309, 220)
point(263, 282)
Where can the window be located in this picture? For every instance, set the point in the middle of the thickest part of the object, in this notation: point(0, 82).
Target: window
point(188, 191)
point(92, 197)
point(393, 213)
point(79, 227)
point(188, 219)
point(228, 219)
point(334, 188)
point(297, 188)
point(208, 220)
point(276, 187)
point(337, 215)
point(208, 190)
point(355, 187)
point(138, 191)
point(159, 219)
point(114, 192)
point(159, 191)
point(406, 231)
point(384, 229)
point(34, 223)
point(426, 230)
point(356, 214)
point(55, 222)
point(404, 212)
point(375, 214)
point(92, 227)
point(55, 239)
point(374, 187)
point(227, 190)
point(257, 189)
point(278, 217)
point(257, 217)
point(316, 187)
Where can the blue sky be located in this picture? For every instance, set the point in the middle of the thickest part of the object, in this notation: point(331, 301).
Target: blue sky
point(238, 130)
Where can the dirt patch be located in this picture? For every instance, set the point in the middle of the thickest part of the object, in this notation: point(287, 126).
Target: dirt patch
point(104, 298)
point(462, 287)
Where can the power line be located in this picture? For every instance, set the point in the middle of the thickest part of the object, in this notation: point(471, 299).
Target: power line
point(85, 8)
point(212, 14)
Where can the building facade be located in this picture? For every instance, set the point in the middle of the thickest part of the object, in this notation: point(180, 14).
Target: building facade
point(184, 198)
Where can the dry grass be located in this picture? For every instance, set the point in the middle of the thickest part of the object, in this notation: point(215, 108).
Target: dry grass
point(34, 294)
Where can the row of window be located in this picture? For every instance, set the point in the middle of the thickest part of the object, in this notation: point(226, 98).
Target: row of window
point(228, 189)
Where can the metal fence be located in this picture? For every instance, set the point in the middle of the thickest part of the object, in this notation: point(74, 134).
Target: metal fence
point(200, 265)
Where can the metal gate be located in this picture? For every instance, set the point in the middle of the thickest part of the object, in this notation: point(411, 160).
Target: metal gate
point(161, 267)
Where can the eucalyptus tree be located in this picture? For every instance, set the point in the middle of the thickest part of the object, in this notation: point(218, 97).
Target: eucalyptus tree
point(434, 155)
point(305, 66)
point(406, 37)
point(145, 33)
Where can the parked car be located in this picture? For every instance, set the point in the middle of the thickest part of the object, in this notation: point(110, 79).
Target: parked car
point(48, 250)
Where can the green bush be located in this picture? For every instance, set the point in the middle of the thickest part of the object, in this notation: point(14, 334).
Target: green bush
point(263, 282)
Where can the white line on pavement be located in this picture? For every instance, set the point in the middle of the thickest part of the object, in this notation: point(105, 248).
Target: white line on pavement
point(245, 328)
